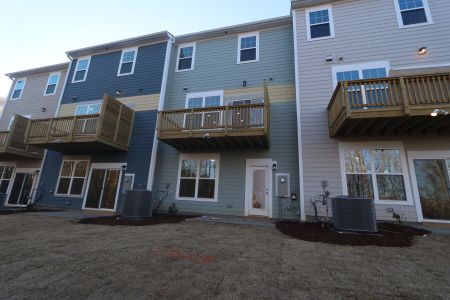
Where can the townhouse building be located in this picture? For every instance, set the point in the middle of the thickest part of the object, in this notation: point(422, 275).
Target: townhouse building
point(227, 128)
point(373, 98)
point(33, 94)
point(100, 140)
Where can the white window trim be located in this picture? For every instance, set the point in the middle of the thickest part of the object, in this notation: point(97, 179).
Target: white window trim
point(76, 66)
point(56, 194)
point(372, 146)
point(199, 156)
point(13, 176)
point(14, 88)
point(132, 175)
point(360, 67)
point(204, 95)
point(249, 34)
point(194, 45)
point(308, 25)
point(56, 85)
point(134, 61)
point(114, 166)
point(79, 105)
point(400, 19)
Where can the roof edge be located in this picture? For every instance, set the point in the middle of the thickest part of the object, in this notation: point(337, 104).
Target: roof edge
point(120, 44)
point(296, 4)
point(39, 70)
point(234, 29)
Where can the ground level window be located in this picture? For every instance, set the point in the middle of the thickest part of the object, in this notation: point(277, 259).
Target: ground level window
point(375, 173)
point(5, 177)
point(72, 177)
point(198, 177)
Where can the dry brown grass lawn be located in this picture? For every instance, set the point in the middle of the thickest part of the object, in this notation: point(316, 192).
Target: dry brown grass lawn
point(49, 257)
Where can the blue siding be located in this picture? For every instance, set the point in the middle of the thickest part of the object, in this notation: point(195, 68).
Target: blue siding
point(137, 159)
point(102, 75)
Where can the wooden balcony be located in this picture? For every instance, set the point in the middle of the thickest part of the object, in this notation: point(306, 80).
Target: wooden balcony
point(110, 130)
point(12, 145)
point(217, 127)
point(390, 106)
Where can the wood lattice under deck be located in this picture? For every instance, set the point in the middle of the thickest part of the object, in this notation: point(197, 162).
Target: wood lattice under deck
point(110, 130)
point(12, 145)
point(217, 127)
point(390, 106)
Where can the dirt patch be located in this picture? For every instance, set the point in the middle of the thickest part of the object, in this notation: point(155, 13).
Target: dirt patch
point(19, 211)
point(118, 220)
point(389, 235)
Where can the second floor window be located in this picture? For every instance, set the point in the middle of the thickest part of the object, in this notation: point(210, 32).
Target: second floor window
point(88, 109)
point(412, 12)
point(18, 89)
point(186, 57)
point(248, 48)
point(81, 69)
point(319, 23)
point(52, 83)
point(127, 62)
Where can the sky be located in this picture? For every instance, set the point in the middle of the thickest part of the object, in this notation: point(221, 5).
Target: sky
point(35, 33)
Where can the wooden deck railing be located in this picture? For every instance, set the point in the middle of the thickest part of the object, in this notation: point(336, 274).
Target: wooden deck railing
point(112, 125)
point(12, 142)
point(392, 96)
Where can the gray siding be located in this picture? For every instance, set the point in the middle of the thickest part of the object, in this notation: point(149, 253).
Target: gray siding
point(231, 196)
point(365, 31)
point(33, 99)
point(216, 66)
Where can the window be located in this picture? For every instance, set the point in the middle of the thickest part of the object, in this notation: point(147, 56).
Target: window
point(72, 177)
point(186, 55)
point(127, 62)
point(88, 109)
point(373, 92)
point(319, 23)
point(203, 120)
point(248, 48)
point(6, 172)
point(375, 172)
point(11, 121)
point(52, 83)
point(18, 89)
point(198, 177)
point(81, 69)
point(412, 12)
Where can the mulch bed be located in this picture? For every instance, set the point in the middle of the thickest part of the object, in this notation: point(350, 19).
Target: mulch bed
point(20, 211)
point(389, 234)
point(118, 220)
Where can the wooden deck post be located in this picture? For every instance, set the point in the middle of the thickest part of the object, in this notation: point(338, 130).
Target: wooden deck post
point(190, 122)
point(405, 97)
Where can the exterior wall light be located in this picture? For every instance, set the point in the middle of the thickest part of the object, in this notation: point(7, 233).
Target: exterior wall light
point(438, 111)
point(423, 50)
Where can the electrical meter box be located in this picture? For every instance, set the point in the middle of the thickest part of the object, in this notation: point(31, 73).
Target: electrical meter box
point(282, 185)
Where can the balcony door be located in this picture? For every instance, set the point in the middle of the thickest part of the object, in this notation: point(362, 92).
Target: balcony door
point(103, 187)
point(366, 95)
point(430, 171)
point(22, 188)
point(203, 119)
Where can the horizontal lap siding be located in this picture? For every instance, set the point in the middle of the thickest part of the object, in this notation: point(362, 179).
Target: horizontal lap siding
point(231, 197)
point(102, 75)
point(365, 31)
point(216, 68)
point(137, 160)
point(33, 100)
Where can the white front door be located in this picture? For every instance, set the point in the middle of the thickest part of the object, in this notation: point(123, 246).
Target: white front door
point(430, 171)
point(258, 188)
